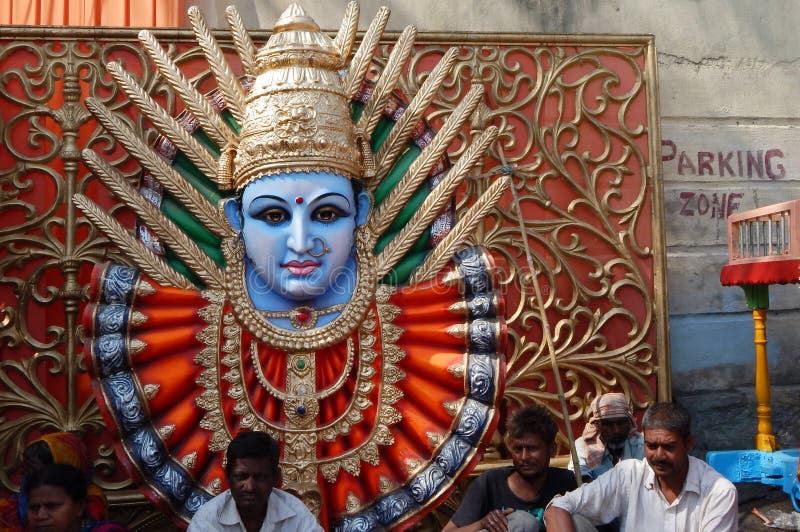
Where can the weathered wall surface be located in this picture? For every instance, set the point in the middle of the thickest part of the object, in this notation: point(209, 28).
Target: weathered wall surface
point(729, 74)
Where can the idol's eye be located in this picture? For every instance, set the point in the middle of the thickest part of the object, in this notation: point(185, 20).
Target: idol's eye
point(328, 214)
point(274, 215)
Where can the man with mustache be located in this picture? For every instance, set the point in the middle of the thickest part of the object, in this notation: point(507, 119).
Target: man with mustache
point(513, 498)
point(252, 503)
point(668, 490)
point(609, 436)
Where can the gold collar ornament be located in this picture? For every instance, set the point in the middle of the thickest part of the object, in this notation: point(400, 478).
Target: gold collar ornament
point(303, 317)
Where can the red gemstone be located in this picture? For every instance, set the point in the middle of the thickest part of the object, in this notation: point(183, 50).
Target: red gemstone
point(298, 200)
point(303, 315)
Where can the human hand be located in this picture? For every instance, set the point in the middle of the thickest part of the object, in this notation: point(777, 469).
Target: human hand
point(496, 520)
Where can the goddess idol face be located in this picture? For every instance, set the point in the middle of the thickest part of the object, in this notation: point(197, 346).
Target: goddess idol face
point(299, 235)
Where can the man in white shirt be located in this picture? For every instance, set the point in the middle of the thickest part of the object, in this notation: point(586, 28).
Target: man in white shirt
point(668, 490)
point(252, 503)
point(609, 436)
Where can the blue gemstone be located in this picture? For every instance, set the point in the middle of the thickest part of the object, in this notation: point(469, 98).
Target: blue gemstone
point(301, 410)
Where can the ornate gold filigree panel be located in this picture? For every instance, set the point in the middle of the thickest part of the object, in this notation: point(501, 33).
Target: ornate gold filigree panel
point(579, 135)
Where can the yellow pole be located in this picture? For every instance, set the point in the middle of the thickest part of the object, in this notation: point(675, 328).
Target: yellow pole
point(765, 440)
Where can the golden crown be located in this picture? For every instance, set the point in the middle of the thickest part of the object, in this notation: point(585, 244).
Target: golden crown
point(297, 114)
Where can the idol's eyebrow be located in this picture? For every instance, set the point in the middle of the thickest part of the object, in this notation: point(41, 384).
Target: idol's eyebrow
point(269, 197)
point(256, 204)
point(328, 194)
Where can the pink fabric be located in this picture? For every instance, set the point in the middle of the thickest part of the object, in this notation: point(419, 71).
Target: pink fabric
point(606, 406)
point(161, 13)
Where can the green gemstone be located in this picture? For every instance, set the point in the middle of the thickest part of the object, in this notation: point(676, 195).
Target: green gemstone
point(301, 363)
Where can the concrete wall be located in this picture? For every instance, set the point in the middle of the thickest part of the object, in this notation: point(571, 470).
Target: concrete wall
point(729, 75)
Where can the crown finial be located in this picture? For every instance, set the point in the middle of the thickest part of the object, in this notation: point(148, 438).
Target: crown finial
point(295, 18)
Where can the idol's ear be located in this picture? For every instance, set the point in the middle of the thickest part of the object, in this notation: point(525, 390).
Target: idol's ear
point(233, 212)
point(364, 205)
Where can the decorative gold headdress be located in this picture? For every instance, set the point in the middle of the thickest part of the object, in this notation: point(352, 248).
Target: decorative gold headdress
point(297, 115)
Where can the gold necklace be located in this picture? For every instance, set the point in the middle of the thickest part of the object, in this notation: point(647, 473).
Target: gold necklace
point(303, 317)
point(301, 365)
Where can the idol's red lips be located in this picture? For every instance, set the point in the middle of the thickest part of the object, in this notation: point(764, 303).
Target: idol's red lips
point(304, 267)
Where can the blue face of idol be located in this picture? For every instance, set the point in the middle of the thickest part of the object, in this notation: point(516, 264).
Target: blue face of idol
point(299, 234)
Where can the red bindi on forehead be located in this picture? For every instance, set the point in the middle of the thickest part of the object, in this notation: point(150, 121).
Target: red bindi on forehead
point(299, 200)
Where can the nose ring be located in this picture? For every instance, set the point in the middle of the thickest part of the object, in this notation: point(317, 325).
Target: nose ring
point(325, 249)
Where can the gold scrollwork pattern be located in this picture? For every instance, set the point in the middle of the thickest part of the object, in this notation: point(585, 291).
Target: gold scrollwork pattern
point(579, 134)
point(590, 176)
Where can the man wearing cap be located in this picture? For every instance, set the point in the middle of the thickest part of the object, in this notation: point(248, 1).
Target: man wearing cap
point(609, 436)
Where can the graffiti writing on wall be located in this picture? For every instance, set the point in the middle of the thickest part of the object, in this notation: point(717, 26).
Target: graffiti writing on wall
point(714, 205)
point(751, 164)
point(768, 164)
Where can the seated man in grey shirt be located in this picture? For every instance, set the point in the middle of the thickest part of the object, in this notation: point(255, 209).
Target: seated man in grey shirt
point(513, 498)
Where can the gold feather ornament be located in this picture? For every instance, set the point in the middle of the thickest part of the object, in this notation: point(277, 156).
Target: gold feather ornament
point(301, 108)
